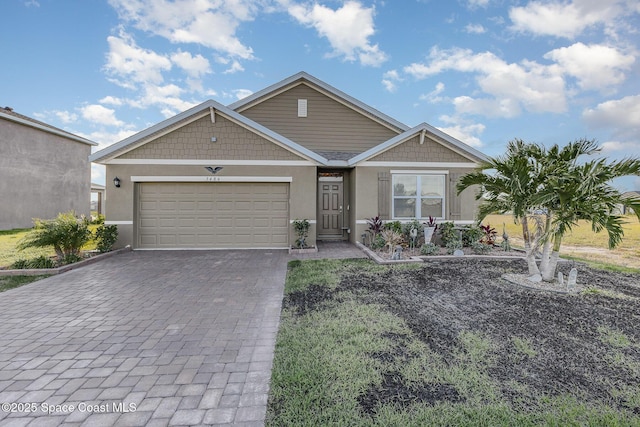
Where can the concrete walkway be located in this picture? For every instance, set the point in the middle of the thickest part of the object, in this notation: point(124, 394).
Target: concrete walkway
point(143, 338)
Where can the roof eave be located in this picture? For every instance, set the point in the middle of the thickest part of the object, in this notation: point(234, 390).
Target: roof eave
point(47, 129)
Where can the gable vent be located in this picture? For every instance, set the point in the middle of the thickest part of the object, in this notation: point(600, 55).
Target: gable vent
point(302, 108)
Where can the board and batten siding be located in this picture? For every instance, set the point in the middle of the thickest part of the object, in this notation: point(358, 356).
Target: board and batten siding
point(328, 126)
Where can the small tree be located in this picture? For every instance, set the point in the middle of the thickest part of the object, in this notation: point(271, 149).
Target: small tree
point(66, 234)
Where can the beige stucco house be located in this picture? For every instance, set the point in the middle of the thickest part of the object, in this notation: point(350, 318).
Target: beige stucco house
point(237, 176)
point(43, 171)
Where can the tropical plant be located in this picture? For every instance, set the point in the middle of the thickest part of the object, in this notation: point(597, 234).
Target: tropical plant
point(470, 234)
point(391, 239)
point(480, 248)
point(549, 188)
point(66, 234)
point(394, 225)
point(431, 222)
point(490, 235)
point(375, 225)
point(448, 233)
point(301, 227)
point(41, 261)
point(453, 245)
point(106, 237)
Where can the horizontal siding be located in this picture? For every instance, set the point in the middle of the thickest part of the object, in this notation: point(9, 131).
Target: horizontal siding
point(329, 125)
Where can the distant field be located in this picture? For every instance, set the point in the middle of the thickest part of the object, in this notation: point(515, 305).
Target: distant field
point(583, 242)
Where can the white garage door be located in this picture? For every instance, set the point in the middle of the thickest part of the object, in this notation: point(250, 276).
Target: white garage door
point(213, 215)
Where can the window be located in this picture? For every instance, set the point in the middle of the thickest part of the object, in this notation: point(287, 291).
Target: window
point(418, 196)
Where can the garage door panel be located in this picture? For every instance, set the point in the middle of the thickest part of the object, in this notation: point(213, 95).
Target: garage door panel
point(215, 215)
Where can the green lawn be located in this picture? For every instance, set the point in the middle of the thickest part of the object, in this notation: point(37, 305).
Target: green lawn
point(345, 356)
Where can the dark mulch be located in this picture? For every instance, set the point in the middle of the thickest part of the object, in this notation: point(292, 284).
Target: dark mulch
point(446, 297)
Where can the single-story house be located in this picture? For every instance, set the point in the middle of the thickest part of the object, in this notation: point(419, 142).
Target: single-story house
point(625, 210)
point(43, 171)
point(237, 176)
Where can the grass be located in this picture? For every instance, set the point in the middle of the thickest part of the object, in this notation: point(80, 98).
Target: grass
point(11, 282)
point(9, 252)
point(583, 244)
point(329, 357)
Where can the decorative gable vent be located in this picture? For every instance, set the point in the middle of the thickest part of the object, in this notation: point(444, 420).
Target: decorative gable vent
point(302, 108)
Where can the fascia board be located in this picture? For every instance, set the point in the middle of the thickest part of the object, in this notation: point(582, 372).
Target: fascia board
point(47, 129)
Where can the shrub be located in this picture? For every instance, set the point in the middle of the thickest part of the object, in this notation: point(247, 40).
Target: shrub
point(471, 234)
point(480, 248)
point(99, 219)
point(301, 227)
point(395, 226)
point(66, 234)
point(377, 242)
point(70, 259)
point(391, 239)
point(453, 245)
point(38, 262)
point(413, 225)
point(489, 234)
point(106, 236)
point(429, 249)
point(447, 232)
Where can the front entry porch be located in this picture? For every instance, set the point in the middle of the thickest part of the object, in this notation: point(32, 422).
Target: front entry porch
point(333, 205)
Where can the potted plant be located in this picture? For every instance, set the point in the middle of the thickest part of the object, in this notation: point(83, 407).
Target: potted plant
point(430, 227)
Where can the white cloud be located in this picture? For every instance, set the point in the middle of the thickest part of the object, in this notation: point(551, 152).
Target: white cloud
point(511, 87)
point(104, 138)
point(434, 96)
point(594, 66)
point(194, 66)
point(616, 146)
point(99, 114)
point(127, 61)
point(478, 3)
point(65, 116)
point(242, 93)
point(389, 80)
point(469, 133)
point(564, 19)
point(205, 22)
point(475, 29)
point(622, 115)
point(111, 100)
point(234, 68)
point(347, 29)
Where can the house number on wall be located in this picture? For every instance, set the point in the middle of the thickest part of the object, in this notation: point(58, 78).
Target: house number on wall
point(213, 178)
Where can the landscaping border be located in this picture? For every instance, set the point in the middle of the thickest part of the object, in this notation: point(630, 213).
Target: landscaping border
point(64, 268)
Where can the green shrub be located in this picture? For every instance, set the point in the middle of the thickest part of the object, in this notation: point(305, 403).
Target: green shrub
point(301, 227)
point(378, 242)
point(429, 249)
point(453, 245)
point(395, 226)
point(70, 259)
point(99, 219)
point(66, 234)
point(480, 248)
point(106, 236)
point(447, 233)
point(471, 234)
point(37, 262)
point(413, 225)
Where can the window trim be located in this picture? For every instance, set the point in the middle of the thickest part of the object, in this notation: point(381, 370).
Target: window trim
point(418, 197)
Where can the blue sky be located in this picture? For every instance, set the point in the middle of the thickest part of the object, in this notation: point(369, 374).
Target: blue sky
point(485, 71)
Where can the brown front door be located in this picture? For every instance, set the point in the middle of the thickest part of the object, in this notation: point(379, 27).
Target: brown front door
point(330, 208)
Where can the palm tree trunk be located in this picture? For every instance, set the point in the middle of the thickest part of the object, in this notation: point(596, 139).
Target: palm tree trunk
point(546, 251)
point(529, 249)
point(549, 272)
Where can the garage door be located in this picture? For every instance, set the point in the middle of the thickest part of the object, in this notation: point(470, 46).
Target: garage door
point(213, 215)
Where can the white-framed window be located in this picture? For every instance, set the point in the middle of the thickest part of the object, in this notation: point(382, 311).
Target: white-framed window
point(418, 196)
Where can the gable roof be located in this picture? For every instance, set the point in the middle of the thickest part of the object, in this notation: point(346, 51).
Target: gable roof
point(328, 158)
point(423, 128)
point(8, 114)
point(336, 94)
point(146, 135)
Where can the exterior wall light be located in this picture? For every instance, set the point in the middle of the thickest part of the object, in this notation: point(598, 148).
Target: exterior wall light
point(116, 182)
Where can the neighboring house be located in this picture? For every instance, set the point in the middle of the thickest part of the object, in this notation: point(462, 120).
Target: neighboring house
point(625, 210)
point(236, 176)
point(43, 171)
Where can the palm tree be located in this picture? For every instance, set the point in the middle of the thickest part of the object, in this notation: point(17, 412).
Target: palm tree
point(529, 178)
point(510, 188)
point(574, 192)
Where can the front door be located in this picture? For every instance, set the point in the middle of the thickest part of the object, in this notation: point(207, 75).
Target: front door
point(330, 207)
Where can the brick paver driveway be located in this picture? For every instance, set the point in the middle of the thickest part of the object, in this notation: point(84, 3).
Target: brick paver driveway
point(143, 338)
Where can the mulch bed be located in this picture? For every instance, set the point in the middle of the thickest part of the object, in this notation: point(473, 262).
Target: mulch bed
point(446, 297)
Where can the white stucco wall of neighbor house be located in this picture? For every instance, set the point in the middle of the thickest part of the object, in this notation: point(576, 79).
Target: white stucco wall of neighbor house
point(42, 173)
